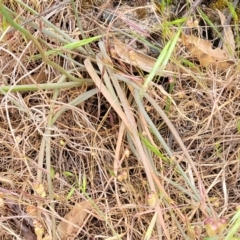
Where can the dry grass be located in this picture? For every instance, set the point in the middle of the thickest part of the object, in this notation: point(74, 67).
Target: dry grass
point(162, 166)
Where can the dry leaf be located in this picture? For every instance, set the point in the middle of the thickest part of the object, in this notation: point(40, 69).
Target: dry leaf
point(133, 57)
point(203, 51)
point(205, 47)
point(229, 42)
point(68, 228)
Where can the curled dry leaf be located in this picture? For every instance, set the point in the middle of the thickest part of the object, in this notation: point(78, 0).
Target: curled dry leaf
point(68, 228)
point(229, 42)
point(203, 51)
point(133, 57)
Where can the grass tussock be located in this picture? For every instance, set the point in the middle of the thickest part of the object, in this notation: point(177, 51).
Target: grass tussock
point(111, 128)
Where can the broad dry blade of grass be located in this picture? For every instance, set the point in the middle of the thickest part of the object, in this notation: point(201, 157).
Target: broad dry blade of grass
point(130, 124)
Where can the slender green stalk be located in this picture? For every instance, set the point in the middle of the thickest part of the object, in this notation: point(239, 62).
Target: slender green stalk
point(69, 46)
point(168, 102)
point(162, 60)
point(80, 26)
point(45, 86)
point(234, 226)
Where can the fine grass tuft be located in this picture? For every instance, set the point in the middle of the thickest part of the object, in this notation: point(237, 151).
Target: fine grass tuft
point(155, 154)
